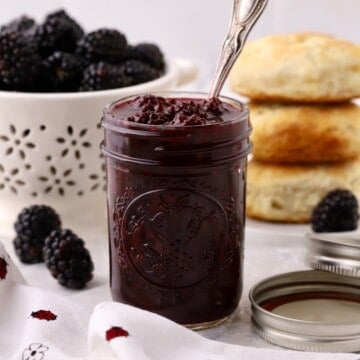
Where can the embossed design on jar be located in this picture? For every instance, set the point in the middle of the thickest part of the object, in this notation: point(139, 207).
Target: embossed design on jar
point(120, 206)
point(172, 236)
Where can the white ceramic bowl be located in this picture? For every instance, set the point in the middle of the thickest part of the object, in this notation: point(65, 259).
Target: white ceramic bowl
point(49, 147)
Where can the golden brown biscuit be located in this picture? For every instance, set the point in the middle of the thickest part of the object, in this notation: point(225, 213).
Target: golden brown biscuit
point(289, 193)
point(306, 67)
point(305, 133)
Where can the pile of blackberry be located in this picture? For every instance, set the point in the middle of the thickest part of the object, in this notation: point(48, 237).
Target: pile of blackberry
point(39, 238)
point(58, 56)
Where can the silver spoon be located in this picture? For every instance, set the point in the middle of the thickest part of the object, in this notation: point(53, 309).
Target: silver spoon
point(244, 16)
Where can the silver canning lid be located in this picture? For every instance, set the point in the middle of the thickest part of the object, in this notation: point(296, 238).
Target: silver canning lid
point(334, 252)
point(296, 310)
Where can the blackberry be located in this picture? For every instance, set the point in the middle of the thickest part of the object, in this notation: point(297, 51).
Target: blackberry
point(337, 211)
point(64, 71)
point(103, 45)
point(59, 32)
point(102, 76)
point(32, 226)
point(139, 72)
point(67, 259)
point(19, 63)
point(21, 24)
point(147, 53)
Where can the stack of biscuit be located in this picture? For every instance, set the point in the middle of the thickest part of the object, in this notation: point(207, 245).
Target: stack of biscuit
point(306, 129)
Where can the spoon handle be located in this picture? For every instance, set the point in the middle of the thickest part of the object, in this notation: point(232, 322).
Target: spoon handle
point(244, 15)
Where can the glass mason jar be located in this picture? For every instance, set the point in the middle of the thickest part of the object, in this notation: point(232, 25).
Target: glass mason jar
point(176, 200)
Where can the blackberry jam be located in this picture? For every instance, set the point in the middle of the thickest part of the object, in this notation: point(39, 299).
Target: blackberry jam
point(176, 177)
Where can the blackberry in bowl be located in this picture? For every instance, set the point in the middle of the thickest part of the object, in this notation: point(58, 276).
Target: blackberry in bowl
point(51, 101)
point(56, 55)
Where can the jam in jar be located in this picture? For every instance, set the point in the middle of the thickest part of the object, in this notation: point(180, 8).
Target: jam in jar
point(176, 177)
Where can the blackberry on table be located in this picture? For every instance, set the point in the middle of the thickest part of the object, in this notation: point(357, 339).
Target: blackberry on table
point(67, 259)
point(19, 62)
point(337, 211)
point(64, 71)
point(103, 76)
point(59, 32)
point(139, 72)
point(147, 53)
point(32, 226)
point(20, 24)
point(103, 45)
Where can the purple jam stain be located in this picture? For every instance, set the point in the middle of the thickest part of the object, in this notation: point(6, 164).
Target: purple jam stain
point(44, 315)
point(3, 268)
point(115, 332)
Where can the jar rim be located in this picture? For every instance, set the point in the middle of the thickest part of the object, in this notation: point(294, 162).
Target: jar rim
point(216, 143)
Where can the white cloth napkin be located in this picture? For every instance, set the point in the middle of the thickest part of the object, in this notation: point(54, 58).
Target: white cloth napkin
point(38, 325)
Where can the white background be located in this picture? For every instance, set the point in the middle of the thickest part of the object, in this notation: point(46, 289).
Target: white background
point(195, 28)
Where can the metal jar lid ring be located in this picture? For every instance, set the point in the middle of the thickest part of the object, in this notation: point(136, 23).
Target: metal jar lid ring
point(336, 252)
point(308, 332)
